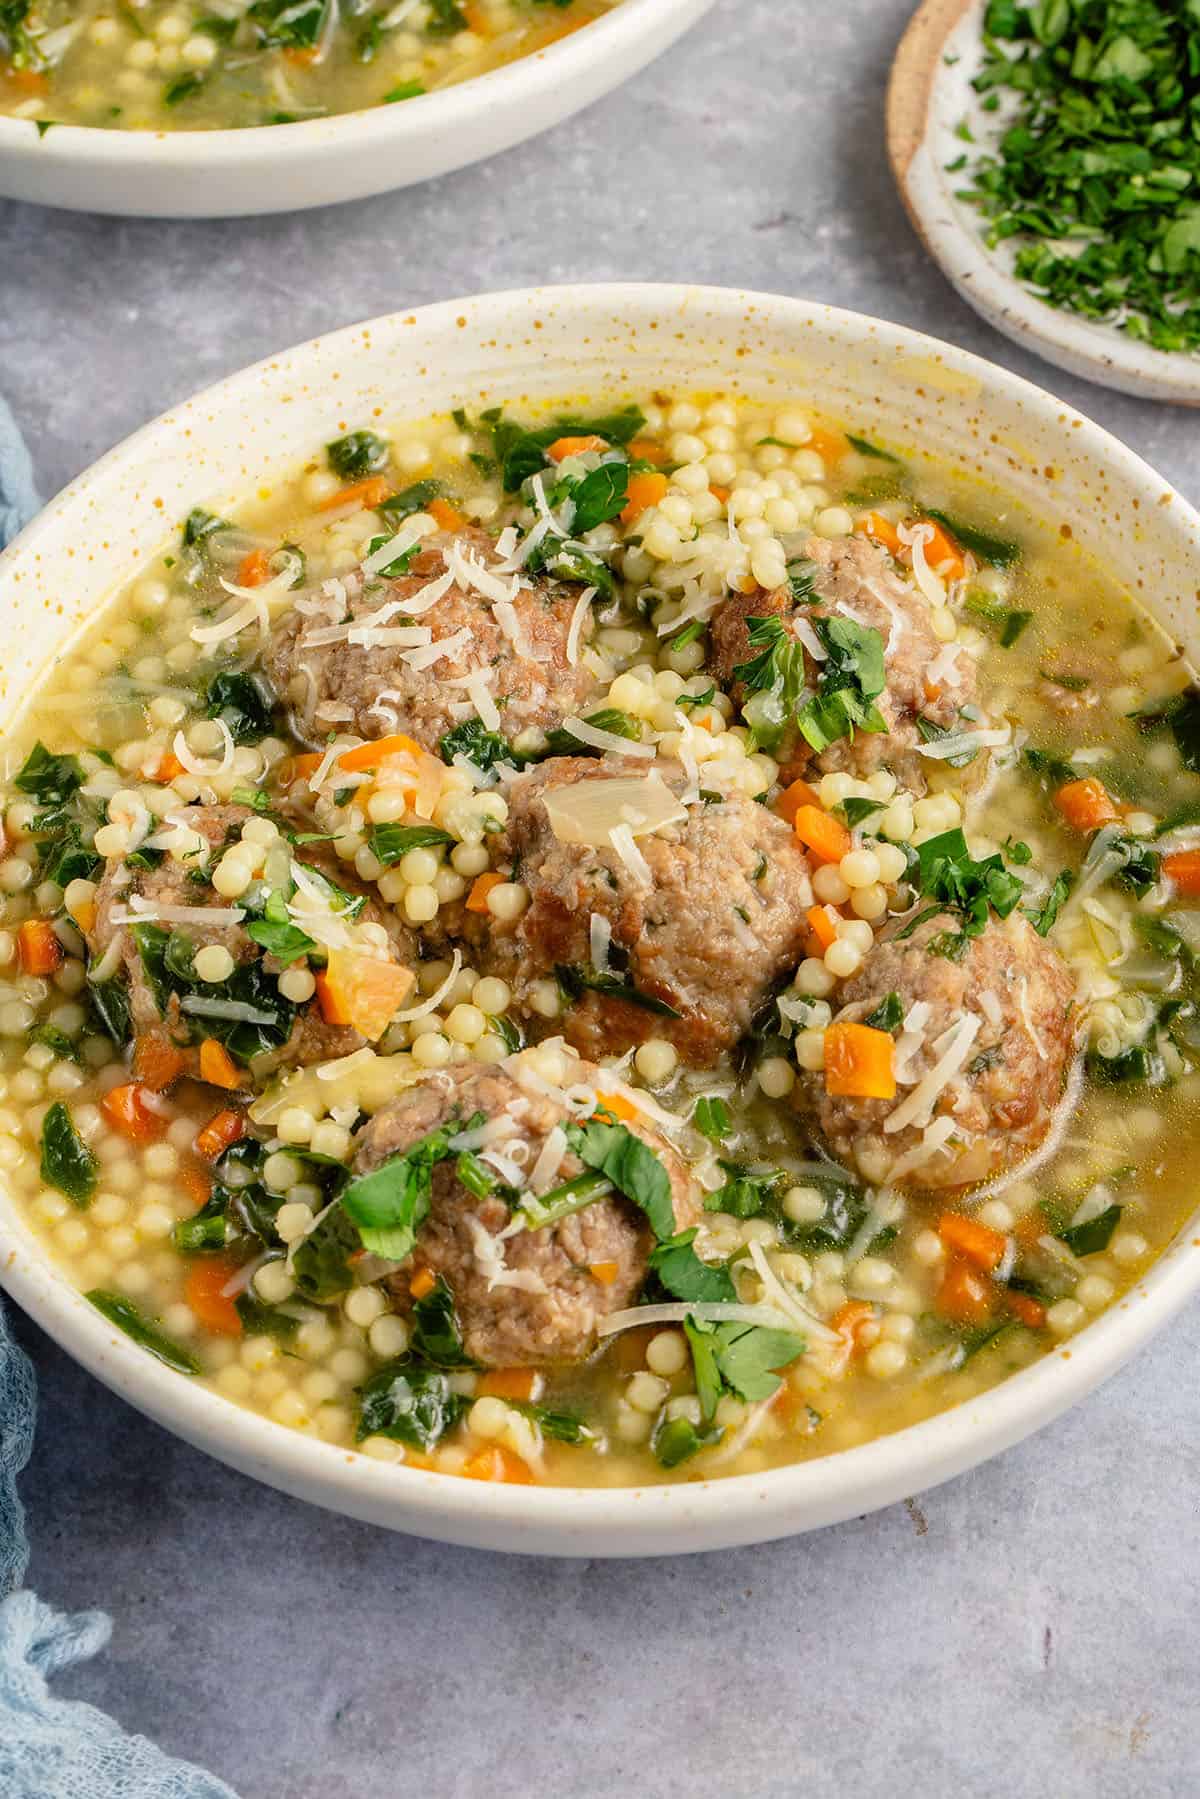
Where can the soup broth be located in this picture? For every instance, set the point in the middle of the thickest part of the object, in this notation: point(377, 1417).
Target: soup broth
point(640, 944)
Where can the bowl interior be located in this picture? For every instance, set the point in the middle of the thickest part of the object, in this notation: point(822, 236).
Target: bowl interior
point(522, 349)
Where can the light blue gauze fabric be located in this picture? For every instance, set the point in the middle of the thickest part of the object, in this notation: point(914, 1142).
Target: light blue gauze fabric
point(54, 1748)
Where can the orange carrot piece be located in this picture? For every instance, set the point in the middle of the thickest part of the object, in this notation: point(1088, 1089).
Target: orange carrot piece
point(295, 768)
point(562, 447)
point(644, 449)
point(197, 1183)
point(881, 530)
point(369, 494)
point(967, 1237)
point(156, 1061)
point(127, 1111)
point(849, 1319)
point(828, 840)
point(1030, 1311)
point(795, 795)
point(1086, 805)
point(830, 445)
point(253, 569)
point(38, 949)
point(222, 1130)
point(943, 554)
point(1183, 870)
point(497, 1463)
point(858, 1062)
point(168, 767)
point(604, 1272)
point(481, 887)
point(822, 925)
point(362, 991)
point(965, 1295)
point(720, 493)
point(218, 1067)
point(618, 1105)
point(422, 1282)
point(447, 516)
point(202, 1291)
point(644, 490)
point(366, 756)
point(511, 1383)
point(477, 19)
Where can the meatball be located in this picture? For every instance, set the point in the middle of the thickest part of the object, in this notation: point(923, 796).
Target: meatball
point(925, 678)
point(174, 883)
point(535, 1296)
point(699, 943)
point(371, 688)
point(1002, 1019)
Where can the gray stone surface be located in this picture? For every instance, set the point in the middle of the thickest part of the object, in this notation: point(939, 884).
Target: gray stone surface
point(1029, 1629)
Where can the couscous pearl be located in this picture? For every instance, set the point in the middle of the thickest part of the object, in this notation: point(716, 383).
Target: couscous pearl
point(804, 1205)
point(233, 874)
point(364, 1305)
point(1065, 1316)
point(431, 1050)
point(885, 1359)
point(330, 1139)
point(297, 984)
point(859, 868)
point(281, 1171)
point(656, 1061)
point(1127, 1247)
point(198, 52)
point(810, 1050)
point(213, 963)
point(155, 1221)
point(388, 1336)
point(382, 1449)
point(273, 1283)
point(828, 886)
point(858, 932)
point(843, 959)
point(897, 822)
point(667, 1353)
point(646, 1392)
point(295, 1125)
point(776, 1077)
point(928, 1248)
point(507, 901)
point(869, 902)
point(996, 1215)
point(488, 1418)
point(292, 1222)
point(892, 862)
point(491, 995)
point(1094, 1292)
point(813, 978)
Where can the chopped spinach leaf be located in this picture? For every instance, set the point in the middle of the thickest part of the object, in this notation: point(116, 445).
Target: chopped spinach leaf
point(359, 453)
point(125, 1315)
point(67, 1162)
point(243, 703)
point(408, 1403)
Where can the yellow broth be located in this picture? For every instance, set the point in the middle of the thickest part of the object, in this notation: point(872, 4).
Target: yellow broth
point(159, 66)
point(885, 1347)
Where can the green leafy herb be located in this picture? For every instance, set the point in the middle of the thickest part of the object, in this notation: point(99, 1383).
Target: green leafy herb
point(390, 1204)
point(866, 448)
point(402, 505)
point(67, 1162)
point(56, 1040)
point(200, 524)
point(677, 1439)
point(1043, 917)
point(850, 679)
point(1141, 1062)
point(949, 875)
point(564, 742)
point(277, 934)
point(738, 1358)
point(109, 1005)
point(562, 1427)
point(321, 1260)
point(205, 1229)
point(389, 843)
point(853, 811)
point(435, 1333)
point(575, 982)
point(521, 452)
point(50, 780)
point(404, 90)
point(1001, 551)
point(125, 1315)
point(632, 1167)
point(473, 740)
point(359, 453)
point(685, 1276)
point(711, 1118)
point(409, 1404)
point(1005, 622)
point(243, 703)
point(888, 1014)
point(599, 495)
point(1096, 1235)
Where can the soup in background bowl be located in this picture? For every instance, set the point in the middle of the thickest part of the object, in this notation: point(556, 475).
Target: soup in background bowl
point(618, 935)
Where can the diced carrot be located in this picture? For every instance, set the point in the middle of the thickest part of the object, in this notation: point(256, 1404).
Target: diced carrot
point(362, 991)
point(1086, 805)
point(828, 840)
point(38, 949)
point(30, 81)
point(447, 516)
point(222, 1130)
point(480, 888)
point(253, 569)
point(795, 795)
point(197, 1183)
point(822, 926)
point(202, 1286)
point(477, 19)
point(830, 445)
point(880, 530)
point(618, 1105)
point(858, 1062)
point(422, 1282)
point(562, 447)
point(849, 1319)
point(644, 449)
point(167, 768)
point(1030, 1311)
point(366, 756)
point(967, 1237)
point(1183, 870)
point(301, 57)
point(511, 1383)
point(604, 1272)
point(965, 1295)
point(720, 493)
point(295, 768)
point(127, 1111)
point(156, 1061)
point(218, 1067)
point(83, 911)
point(943, 554)
point(497, 1463)
point(369, 494)
point(644, 490)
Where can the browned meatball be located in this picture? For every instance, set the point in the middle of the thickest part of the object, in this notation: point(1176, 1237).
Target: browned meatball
point(173, 883)
point(370, 688)
point(1002, 1022)
point(855, 578)
point(720, 919)
point(536, 1296)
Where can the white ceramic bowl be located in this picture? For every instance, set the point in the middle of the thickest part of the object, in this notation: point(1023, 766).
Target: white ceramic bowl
point(281, 168)
point(512, 349)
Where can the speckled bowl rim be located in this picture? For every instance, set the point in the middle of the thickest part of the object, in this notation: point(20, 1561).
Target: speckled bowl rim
point(1081, 346)
point(633, 1520)
point(613, 39)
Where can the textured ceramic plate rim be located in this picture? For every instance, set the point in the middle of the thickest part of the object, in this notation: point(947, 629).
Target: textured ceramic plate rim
point(564, 1520)
point(952, 231)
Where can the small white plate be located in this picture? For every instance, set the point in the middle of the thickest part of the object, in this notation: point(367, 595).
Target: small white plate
point(929, 95)
point(285, 168)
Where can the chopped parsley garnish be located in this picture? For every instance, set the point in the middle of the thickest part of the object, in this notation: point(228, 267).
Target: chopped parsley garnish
point(609, 1148)
point(711, 1118)
point(1005, 622)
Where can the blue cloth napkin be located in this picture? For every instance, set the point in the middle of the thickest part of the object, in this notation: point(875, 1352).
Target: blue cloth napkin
point(54, 1748)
